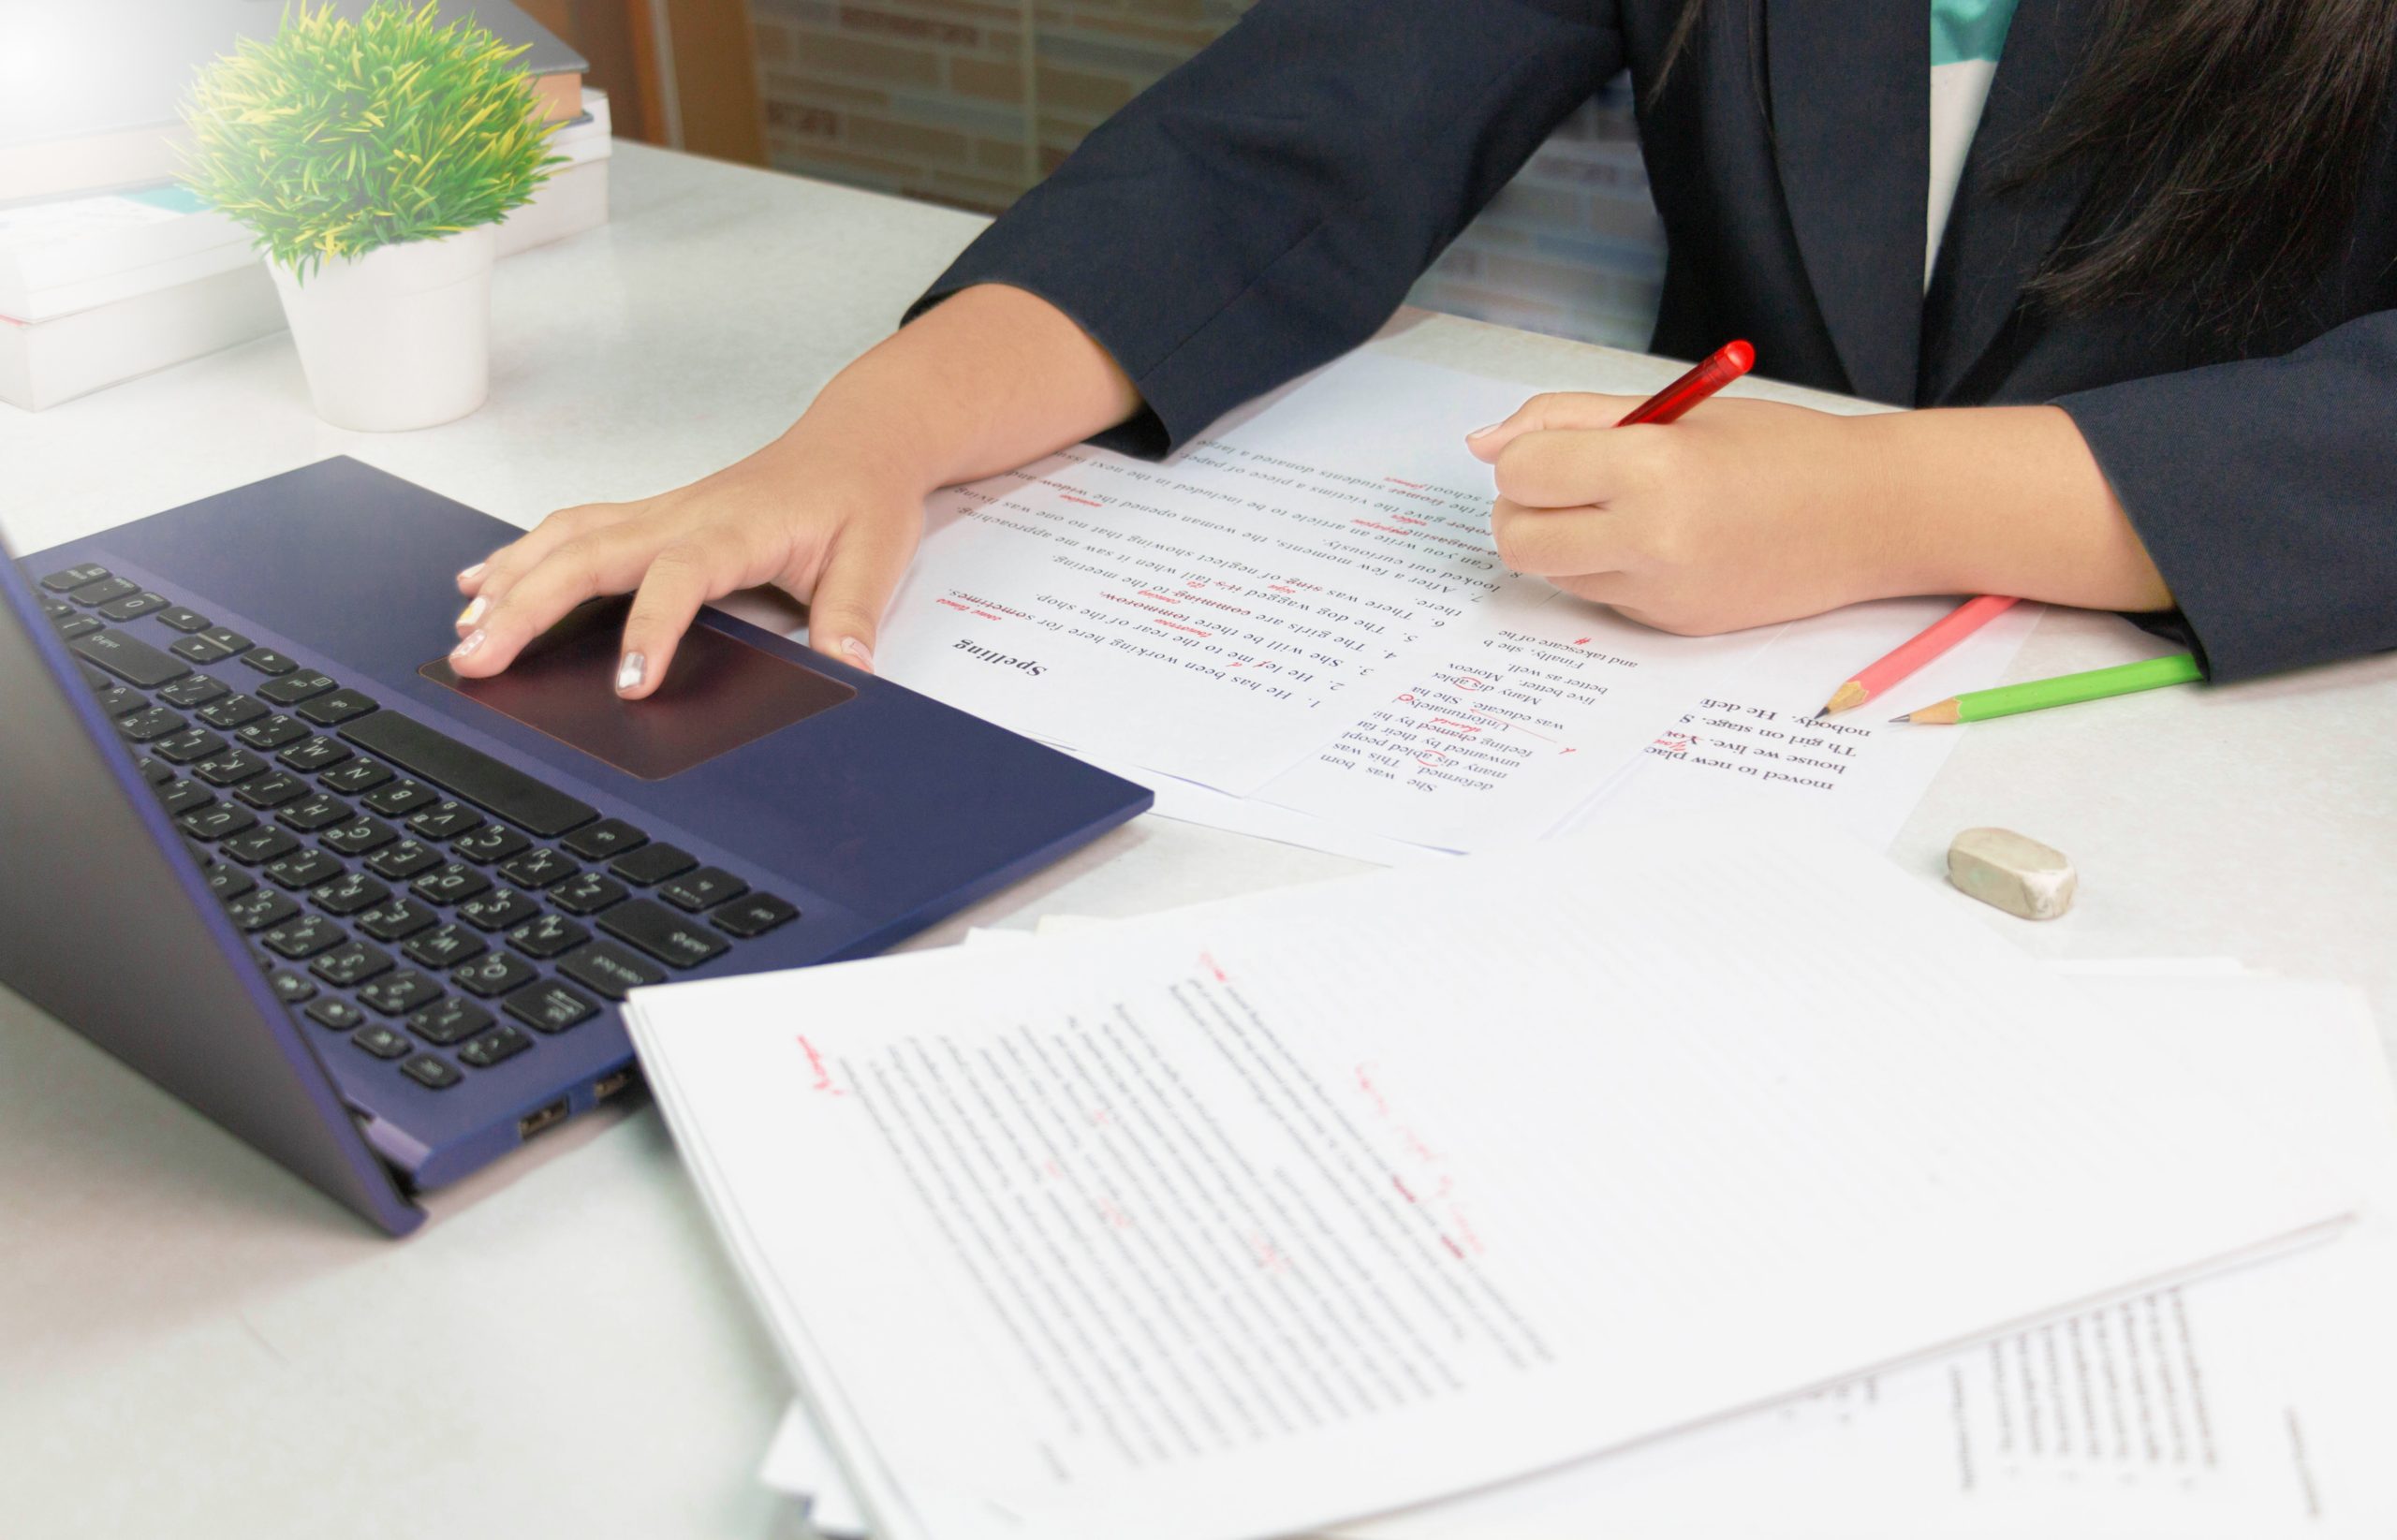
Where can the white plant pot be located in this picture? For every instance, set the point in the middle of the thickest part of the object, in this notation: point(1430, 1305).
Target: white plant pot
point(399, 338)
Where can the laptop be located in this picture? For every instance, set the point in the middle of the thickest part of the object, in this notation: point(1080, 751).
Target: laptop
point(258, 841)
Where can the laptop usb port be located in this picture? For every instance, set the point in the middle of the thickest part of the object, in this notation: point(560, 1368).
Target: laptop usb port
point(612, 1084)
point(533, 1122)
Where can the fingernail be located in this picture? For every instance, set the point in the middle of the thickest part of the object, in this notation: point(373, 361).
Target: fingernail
point(628, 673)
point(859, 653)
point(473, 612)
point(1485, 433)
point(473, 572)
point(465, 649)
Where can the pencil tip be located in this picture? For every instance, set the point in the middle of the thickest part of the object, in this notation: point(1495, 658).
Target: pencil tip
point(1821, 714)
point(1908, 717)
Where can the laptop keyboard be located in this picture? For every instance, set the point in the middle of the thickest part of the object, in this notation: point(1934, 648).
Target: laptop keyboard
point(438, 908)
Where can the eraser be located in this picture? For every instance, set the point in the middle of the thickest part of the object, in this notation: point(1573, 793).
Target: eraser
point(2012, 871)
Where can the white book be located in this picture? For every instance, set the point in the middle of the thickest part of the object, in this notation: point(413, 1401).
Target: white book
point(44, 362)
point(1249, 1219)
point(72, 254)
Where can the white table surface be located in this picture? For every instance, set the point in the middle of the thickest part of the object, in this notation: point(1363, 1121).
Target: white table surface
point(193, 1344)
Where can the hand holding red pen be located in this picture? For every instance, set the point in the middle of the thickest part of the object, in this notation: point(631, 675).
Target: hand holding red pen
point(1742, 513)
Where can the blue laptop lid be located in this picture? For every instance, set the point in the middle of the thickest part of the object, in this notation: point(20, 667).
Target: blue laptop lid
point(106, 921)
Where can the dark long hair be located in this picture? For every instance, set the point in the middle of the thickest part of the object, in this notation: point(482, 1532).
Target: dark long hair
point(2227, 143)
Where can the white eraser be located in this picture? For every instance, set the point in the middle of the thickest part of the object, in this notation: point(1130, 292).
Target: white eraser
point(2012, 871)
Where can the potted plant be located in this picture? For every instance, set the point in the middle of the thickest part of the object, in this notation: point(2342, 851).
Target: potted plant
point(371, 158)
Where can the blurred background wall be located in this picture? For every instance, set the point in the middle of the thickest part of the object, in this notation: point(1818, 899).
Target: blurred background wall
point(969, 102)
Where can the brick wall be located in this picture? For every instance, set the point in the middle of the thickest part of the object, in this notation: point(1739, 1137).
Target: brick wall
point(968, 102)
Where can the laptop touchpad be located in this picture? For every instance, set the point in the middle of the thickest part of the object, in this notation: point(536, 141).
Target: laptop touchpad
point(719, 693)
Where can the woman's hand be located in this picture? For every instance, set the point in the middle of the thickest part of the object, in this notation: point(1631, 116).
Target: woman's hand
point(835, 528)
point(990, 379)
point(1749, 512)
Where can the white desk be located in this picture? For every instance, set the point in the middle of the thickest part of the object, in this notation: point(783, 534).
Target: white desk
point(192, 1343)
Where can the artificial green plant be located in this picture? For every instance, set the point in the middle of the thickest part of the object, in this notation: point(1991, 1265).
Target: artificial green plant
point(335, 138)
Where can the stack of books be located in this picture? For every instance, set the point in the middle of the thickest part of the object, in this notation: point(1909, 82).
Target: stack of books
point(107, 270)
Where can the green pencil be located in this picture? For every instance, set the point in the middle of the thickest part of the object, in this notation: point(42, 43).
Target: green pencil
point(2068, 690)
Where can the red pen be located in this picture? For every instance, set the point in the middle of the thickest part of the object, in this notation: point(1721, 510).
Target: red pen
point(1711, 373)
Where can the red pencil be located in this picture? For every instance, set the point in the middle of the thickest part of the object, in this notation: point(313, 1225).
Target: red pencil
point(1911, 654)
point(1712, 373)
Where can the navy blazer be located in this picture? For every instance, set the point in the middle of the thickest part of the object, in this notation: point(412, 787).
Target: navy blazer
point(1265, 206)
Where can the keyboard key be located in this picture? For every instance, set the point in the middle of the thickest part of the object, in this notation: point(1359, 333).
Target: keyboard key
point(395, 919)
point(187, 746)
point(226, 769)
point(257, 911)
point(354, 963)
point(227, 638)
point(303, 936)
point(406, 797)
point(489, 783)
point(452, 884)
point(183, 618)
point(501, 1042)
point(54, 610)
point(609, 969)
point(267, 661)
point(752, 915)
point(157, 772)
point(669, 937)
point(227, 881)
point(493, 974)
point(180, 796)
point(192, 690)
point(450, 1020)
point(103, 591)
point(349, 893)
point(702, 889)
point(549, 1007)
point(76, 627)
point(548, 936)
point(232, 711)
point(447, 947)
point(269, 733)
point(133, 605)
point(432, 1073)
point(498, 909)
point(304, 869)
point(445, 820)
point(336, 1012)
point(117, 702)
point(489, 843)
point(398, 993)
point(218, 821)
point(269, 791)
point(199, 649)
point(151, 722)
point(587, 893)
point(264, 844)
point(537, 869)
point(607, 838)
point(403, 860)
point(290, 987)
point(315, 755)
point(311, 813)
point(357, 776)
point(339, 707)
point(292, 689)
point(70, 579)
point(358, 836)
point(653, 863)
point(383, 1043)
point(137, 663)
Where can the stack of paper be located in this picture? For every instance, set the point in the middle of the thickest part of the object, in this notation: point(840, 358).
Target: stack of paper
point(1259, 1217)
point(1300, 628)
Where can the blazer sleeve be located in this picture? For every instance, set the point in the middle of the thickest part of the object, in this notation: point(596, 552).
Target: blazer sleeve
point(2266, 492)
point(1264, 208)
